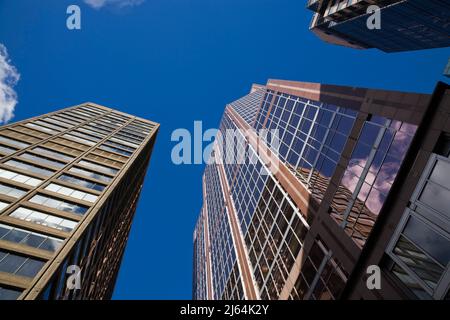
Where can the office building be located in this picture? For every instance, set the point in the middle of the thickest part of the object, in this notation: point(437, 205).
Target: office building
point(70, 182)
point(404, 25)
point(358, 178)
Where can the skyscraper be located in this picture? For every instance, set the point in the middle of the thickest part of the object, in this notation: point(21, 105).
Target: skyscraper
point(359, 180)
point(70, 181)
point(405, 24)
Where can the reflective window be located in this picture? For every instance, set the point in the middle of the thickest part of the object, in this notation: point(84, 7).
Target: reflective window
point(44, 219)
point(28, 238)
point(368, 178)
point(42, 160)
point(119, 145)
point(321, 276)
point(11, 191)
point(7, 293)
point(77, 139)
point(86, 136)
point(53, 153)
point(121, 141)
point(113, 149)
point(19, 265)
point(420, 246)
point(14, 142)
point(90, 174)
point(82, 182)
point(7, 150)
point(29, 167)
point(10, 175)
point(3, 205)
point(71, 192)
point(41, 128)
point(46, 124)
point(99, 167)
point(59, 204)
point(312, 137)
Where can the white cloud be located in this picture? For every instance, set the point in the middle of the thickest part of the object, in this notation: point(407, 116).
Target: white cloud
point(97, 4)
point(8, 79)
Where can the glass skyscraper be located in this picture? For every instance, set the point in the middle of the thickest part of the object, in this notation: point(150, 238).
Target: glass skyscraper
point(70, 181)
point(359, 177)
point(405, 24)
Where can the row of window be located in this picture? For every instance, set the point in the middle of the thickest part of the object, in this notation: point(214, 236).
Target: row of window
point(45, 219)
point(59, 204)
point(28, 238)
point(10, 175)
point(19, 265)
point(69, 192)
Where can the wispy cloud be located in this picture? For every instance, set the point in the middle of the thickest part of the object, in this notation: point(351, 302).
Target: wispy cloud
point(97, 4)
point(8, 79)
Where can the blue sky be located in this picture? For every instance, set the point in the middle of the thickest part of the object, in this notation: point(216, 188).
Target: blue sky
point(176, 61)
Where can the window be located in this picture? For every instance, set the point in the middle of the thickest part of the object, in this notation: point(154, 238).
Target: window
point(119, 145)
point(82, 182)
point(49, 125)
point(71, 192)
point(52, 153)
point(59, 204)
point(31, 132)
point(95, 134)
point(7, 150)
point(109, 155)
point(7, 293)
point(14, 142)
point(91, 174)
point(85, 136)
point(3, 205)
point(41, 128)
point(113, 149)
point(77, 139)
point(29, 167)
point(42, 160)
point(133, 145)
point(18, 137)
point(6, 174)
point(99, 167)
point(420, 246)
point(57, 122)
point(370, 173)
point(95, 110)
point(11, 191)
point(19, 265)
point(28, 238)
point(44, 219)
point(71, 120)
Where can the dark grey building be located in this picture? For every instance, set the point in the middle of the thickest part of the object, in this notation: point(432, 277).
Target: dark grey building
point(405, 24)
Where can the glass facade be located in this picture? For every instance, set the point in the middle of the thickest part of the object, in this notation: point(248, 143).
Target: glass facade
point(367, 180)
point(420, 247)
point(406, 25)
point(297, 231)
point(54, 170)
